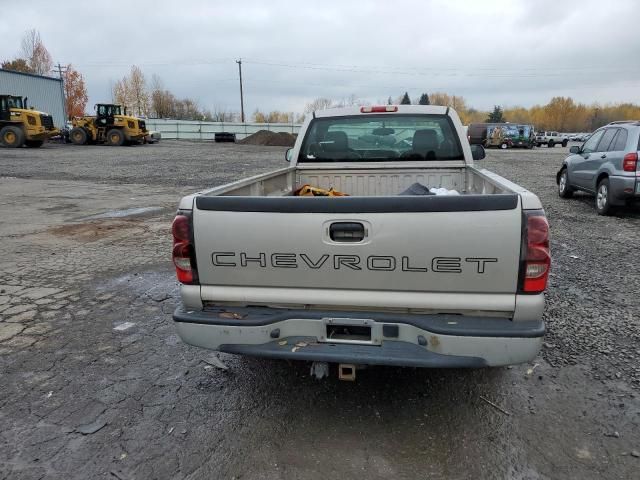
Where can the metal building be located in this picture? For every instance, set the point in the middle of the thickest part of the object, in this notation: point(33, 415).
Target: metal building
point(45, 93)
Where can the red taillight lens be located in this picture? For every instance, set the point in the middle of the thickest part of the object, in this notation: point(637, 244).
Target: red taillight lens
point(537, 257)
point(379, 109)
point(181, 228)
point(183, 253)
point(630, 162)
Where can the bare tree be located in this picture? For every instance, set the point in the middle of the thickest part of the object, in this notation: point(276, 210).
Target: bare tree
point(318, 104)
point(259, 117)
point(188, 109)
point(163, 104)
point(162, 100)
point(121, 93)
point(207, 116)
point(350, 101)
point(156, 82)
point(138, 89)
point(35, 53)
point(131, 91)
point(221, 114)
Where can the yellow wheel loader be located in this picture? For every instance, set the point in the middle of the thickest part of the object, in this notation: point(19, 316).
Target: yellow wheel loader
point(109, 126)
point(20, 125)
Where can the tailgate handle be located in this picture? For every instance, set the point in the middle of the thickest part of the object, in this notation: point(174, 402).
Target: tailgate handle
point(347, 232)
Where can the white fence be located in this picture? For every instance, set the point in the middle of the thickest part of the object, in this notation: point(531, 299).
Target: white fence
point(191, 130)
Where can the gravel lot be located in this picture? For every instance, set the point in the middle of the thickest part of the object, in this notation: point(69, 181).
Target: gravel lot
point(96, 384)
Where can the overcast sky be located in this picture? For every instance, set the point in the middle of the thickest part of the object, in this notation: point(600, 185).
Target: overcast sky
point(491, 52)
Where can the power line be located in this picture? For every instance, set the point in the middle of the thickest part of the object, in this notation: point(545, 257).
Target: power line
point(423, 69)
point(436, 70)
point(109, 63)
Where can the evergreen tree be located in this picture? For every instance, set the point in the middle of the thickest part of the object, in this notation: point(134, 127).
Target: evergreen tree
point(496, 116)
point(389, 101)
point(424, 99)
point(405, 99)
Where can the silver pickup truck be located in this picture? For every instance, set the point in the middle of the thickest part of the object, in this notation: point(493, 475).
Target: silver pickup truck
point(390, 273)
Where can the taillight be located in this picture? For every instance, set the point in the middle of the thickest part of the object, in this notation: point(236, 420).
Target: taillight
point(629, 162)
point(536, 257)
point(379, 109)
point(183, 250)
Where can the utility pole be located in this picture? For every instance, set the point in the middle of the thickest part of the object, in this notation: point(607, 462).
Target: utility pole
point(60, 70)
point(239, 62)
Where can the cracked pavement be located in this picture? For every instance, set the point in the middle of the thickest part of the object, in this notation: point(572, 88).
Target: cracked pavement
point(95, 382)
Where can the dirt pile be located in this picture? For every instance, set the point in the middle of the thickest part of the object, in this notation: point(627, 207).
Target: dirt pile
point(273, 139)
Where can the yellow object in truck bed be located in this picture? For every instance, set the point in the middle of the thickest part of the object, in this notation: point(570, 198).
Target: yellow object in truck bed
point(309, 191)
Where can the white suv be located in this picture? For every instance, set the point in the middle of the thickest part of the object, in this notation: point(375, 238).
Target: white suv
point(550, 139)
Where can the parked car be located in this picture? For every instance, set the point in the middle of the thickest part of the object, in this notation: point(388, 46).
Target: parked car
point(606, 165)
point(582, 137)
point(153, 137)
point(450, 277)
point(63, 134)
point(551, 139)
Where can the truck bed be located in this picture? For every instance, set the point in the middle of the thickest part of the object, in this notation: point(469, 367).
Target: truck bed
point(371, 180)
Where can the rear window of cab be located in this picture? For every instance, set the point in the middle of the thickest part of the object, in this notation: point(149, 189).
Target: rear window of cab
point(381, 138)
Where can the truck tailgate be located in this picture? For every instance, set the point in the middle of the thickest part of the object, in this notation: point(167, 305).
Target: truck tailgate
point(413, 247)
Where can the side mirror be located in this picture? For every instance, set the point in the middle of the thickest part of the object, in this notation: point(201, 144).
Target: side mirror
point(288, 155)
point(477, 152)
point(574, 149)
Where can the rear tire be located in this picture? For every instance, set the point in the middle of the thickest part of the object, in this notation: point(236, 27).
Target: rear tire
point(564, 143)
point(550, 144)
point(603, 200)
point(78, 136)
point(504, 146)
point(564, 188)
point(115, 138)
point(12, 136)
point(34, 143)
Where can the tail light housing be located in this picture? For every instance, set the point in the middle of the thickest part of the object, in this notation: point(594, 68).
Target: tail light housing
point(630, 162)
point(184, 257)
point(535, 257)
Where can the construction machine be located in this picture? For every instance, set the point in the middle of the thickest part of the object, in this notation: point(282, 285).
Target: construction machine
point(110, 126)
point(21, 125)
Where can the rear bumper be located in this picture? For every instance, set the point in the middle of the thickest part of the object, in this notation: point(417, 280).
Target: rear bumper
point(624, 188)
point(434, 341)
